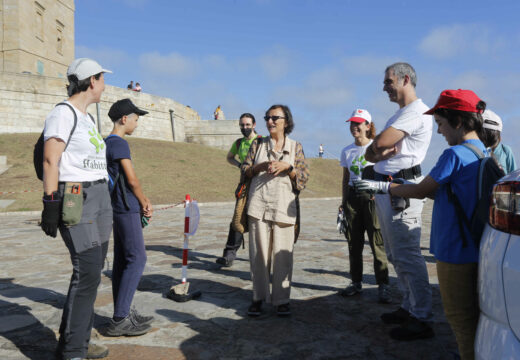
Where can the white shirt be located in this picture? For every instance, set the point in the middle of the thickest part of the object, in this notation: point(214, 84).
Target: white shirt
point(353, 158)
point(84, 159)
point(411, 149)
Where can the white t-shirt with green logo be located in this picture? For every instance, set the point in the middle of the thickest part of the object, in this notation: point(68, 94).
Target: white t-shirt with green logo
point(85, 157)
point(353, 158)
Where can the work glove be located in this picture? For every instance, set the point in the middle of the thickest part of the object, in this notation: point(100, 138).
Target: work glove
point(379, 187)
point(51, 214)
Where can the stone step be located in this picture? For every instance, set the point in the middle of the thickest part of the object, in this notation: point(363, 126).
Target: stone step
point(3, 164)
point(5, 203)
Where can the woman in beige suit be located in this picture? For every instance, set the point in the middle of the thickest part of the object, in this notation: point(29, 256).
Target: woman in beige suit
point(278, 170)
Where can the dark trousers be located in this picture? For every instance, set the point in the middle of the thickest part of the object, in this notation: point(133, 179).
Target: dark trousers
point(78, 312)
point(129, 260)
point(234, 241)
point(361, 216)
point(87, 243)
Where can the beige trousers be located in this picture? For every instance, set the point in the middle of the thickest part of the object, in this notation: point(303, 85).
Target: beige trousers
point(271, 243)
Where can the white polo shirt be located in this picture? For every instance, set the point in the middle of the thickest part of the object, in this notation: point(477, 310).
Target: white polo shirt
point(411, 150)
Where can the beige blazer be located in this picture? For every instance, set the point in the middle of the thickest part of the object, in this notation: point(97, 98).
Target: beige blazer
point(271, 198)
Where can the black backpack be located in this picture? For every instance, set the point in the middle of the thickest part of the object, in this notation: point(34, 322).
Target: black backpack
point(38, 147)
point(489, 172)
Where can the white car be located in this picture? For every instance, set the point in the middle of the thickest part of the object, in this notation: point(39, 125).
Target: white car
point(498, 333)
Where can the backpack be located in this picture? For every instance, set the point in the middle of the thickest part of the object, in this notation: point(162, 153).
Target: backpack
point(38, 147)
point(489, 172)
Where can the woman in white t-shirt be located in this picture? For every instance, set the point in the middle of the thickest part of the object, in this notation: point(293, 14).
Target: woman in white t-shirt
point(77, 202)
point(359, 209)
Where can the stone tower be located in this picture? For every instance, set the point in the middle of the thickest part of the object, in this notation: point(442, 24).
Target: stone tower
point(36, 36)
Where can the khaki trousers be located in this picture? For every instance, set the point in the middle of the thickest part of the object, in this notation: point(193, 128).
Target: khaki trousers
point(458, 286)
point(271, 243)
point(361, 216)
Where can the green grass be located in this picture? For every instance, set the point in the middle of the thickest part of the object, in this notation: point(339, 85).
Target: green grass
point(167, 171)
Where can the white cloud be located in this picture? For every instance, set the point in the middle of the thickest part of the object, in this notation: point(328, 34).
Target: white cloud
point(173, 64)
point(276, 63)
point(108, 57)
point(216, 61)
point(461, 39)
point(473, 80)
point(368, 64)
point(321, 89)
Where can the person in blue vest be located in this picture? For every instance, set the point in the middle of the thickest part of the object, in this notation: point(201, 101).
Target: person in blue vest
point(132, 210)
point(458, 114)
point(239, 149)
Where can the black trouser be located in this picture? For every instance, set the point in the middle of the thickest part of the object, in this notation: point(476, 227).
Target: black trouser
point(234, 241)
point(78, 310)
point(87, 243)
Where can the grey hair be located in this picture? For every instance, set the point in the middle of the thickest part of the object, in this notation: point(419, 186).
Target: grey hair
point(401, 69)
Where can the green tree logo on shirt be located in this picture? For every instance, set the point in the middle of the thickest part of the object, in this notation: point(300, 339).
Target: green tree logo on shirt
point(358, 164)
point(96, 140)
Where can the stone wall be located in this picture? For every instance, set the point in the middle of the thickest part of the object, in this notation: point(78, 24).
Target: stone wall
point(25, 101)
point(37, 36)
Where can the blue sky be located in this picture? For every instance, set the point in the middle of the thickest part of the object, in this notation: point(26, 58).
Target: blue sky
point(322, 58)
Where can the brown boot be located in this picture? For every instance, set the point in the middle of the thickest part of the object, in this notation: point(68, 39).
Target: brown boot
point(96, 351)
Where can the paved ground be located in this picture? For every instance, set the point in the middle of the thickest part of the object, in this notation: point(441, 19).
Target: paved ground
point(35, 273)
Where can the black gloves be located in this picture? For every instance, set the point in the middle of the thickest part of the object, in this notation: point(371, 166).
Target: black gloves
point(51, 214)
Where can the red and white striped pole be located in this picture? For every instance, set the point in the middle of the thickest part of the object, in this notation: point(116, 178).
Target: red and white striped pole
point(186, 238)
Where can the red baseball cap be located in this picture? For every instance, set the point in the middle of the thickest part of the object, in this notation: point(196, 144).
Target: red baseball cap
point(463, 100)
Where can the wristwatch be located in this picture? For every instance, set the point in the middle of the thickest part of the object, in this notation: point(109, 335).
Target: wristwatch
point(291, 168)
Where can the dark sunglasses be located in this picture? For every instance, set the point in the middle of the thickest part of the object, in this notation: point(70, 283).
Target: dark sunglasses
point(274, 118)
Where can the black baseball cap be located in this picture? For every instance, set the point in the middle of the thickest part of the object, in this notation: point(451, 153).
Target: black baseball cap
point(124, 107)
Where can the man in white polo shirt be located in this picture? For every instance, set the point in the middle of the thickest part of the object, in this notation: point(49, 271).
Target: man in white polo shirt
point(398, 152)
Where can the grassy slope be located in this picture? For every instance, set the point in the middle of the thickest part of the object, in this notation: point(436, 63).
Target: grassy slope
point(167, 172)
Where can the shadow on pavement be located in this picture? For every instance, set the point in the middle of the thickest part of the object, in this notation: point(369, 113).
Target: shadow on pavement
point(198, 261)
point(26, 332)
point(323, 327)
point(12, 290)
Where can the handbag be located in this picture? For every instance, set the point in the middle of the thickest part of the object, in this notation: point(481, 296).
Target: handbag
point(297, 224)
point(239, 221)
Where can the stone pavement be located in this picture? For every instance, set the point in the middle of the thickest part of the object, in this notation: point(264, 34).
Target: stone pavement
point(35, 273)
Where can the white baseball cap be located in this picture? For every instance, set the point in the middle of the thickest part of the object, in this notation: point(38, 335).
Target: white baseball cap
point(491, 120)
point(360, 116)
point(84, 68)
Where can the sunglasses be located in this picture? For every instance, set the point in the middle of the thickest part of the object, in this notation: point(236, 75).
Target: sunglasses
point(274, 118)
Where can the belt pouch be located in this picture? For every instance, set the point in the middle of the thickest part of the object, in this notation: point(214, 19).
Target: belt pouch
point(72, 203)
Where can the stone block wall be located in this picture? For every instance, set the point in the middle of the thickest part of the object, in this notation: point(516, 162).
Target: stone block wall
point(25, 101)
point(217, 133)
point(38, 36)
